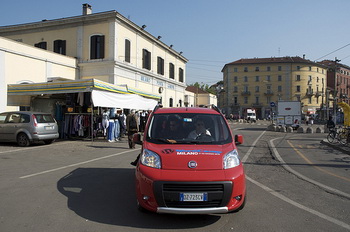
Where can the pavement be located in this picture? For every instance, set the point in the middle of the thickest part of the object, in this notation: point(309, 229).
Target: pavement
point(343, 148)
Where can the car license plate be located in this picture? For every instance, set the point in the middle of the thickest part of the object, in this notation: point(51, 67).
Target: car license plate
point(48, 127)
point(193, 196)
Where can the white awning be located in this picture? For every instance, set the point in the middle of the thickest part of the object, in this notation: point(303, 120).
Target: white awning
point(115, 100)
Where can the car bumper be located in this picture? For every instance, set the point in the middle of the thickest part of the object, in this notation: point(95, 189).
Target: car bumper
point(41, 137)
point(159, 190)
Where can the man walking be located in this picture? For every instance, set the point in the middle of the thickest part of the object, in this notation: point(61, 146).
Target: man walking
point(132, 127)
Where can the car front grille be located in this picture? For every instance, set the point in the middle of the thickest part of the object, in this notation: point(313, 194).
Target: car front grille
point(168, 193)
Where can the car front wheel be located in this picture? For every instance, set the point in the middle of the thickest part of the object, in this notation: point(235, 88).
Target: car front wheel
point(23, 140)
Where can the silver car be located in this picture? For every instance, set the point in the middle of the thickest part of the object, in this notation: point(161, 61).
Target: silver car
point(26, 127)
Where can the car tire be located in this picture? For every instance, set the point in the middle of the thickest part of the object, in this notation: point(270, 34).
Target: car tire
point(141, 209)
point(49, 141)
point(23, 140)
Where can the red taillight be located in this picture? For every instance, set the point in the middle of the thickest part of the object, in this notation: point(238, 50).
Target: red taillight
point(35, 121)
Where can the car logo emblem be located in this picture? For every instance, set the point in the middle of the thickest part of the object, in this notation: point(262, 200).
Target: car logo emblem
point(192, 164)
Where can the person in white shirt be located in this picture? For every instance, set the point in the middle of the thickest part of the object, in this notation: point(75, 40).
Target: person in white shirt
point(199, 131)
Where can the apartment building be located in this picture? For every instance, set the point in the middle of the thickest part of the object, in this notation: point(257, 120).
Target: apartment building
point(109, 47)
point(258, 82)
point(338, 75)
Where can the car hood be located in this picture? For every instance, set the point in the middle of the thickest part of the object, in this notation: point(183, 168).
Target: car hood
point(194, 156)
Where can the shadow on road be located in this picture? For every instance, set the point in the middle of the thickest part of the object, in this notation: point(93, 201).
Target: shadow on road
point(107, 195)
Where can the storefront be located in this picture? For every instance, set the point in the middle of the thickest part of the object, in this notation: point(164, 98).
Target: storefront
point(78, 105)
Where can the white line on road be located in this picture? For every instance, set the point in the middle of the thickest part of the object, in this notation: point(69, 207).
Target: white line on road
point(284, 198)
point(277, 155)
point(76, 164)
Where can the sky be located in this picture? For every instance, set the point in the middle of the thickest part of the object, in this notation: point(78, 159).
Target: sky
point(212, 33)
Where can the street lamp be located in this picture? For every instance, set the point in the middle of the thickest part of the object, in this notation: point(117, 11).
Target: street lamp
point(335, 92)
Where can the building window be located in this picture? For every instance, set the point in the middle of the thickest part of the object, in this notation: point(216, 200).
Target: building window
point(310, 69)
point(42, 45)
point(245, 88)
point(59, 46)
point(257, 100)
point(279, 88)
point(268, 68)
point(160, 65)
point(235, 69)
point(97, 47)
point(279, 78)
point(298, 68)
point(257, 69)
point(146, 59)
point(171, 71)
point(181, 75)
point(279, 68)
point(245, 69)
point(298, 88)
point(170, 102)
point(235, 100)
point(235, 79)
point(235, 89)
point(268, 78)
point(298, 77)
point(256, 89)
point(127, 50)
point(245, 79)
point(257, 79)
point(245, 100)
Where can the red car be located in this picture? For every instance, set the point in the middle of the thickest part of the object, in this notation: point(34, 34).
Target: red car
point(189, 163)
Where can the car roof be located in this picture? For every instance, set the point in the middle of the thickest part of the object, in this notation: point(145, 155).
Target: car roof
point(25, 112)
point(197, 110)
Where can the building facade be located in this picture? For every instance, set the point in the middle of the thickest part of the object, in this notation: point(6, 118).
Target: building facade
point(260, 83)
point(24, 64)
point(338, 75)
point(109, 47)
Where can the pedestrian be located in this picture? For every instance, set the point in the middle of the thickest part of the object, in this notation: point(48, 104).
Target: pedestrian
point(132, 127)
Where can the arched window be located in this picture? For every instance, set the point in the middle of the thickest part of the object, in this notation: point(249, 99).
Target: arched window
point(59, 46)
point(97, 47)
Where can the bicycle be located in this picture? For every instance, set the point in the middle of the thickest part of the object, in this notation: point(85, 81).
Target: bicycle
point(333, 135)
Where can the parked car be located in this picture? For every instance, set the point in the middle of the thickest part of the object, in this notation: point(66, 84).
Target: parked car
point(194, 169)
point(26, 127)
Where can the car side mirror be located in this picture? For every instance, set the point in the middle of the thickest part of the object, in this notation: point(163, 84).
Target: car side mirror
point(238, 139)
point(137, 138)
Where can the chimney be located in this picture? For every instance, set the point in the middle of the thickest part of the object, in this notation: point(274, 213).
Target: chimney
point(87, 9)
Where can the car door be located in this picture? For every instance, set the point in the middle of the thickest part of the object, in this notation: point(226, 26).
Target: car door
point(10, 126)
point(3, 117)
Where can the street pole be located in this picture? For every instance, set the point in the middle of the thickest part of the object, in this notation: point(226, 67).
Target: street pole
point(335, 92)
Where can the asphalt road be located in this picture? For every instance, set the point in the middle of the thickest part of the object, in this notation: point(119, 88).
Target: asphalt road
point(294, 183)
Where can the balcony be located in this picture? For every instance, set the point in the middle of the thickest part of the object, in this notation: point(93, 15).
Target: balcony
point(245, 93)
point(309, 92)
point(318, 94)
point(269, 93)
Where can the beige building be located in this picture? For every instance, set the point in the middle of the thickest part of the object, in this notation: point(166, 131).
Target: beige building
point(108, 47)
point(258, 82)
point(200, 98)
point(25, 64)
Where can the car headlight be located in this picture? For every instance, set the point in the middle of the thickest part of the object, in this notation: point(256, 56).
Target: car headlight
point(231, 159)
point(150, 159)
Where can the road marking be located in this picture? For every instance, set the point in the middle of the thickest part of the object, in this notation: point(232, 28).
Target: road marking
point(286, 199)
point(76, 164)
point(300, 206)
point(311, 163)
point(302, 176)
point(31, 148)
point(252, 147)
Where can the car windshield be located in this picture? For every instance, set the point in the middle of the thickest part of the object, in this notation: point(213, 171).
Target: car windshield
point(188, 128)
